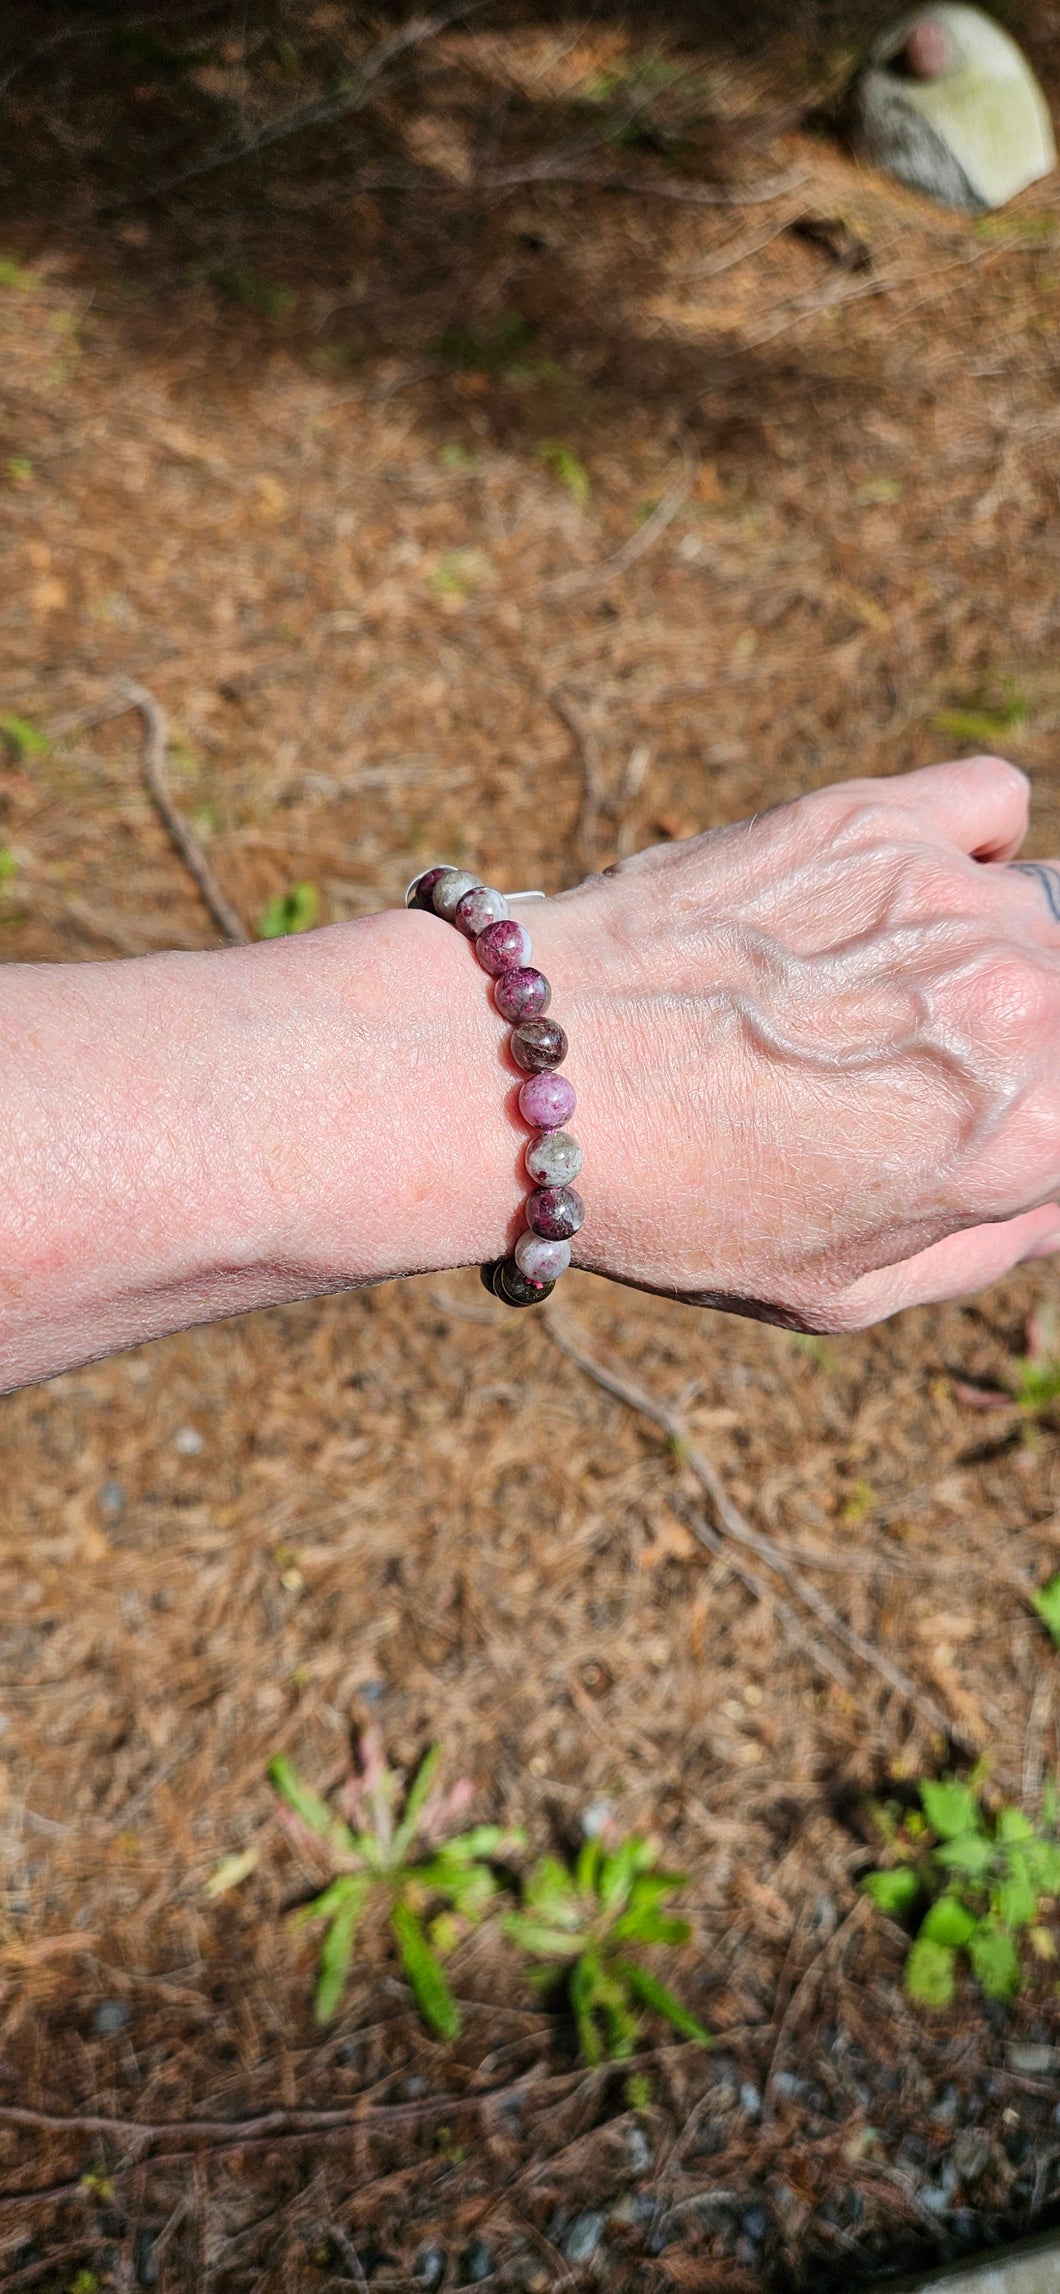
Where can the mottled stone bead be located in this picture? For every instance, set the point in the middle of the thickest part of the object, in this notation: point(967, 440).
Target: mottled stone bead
point(450, 889)
point(537, 1044)
point(516, 1288)
point(553, 1159)
point(522, 994)
point(477, 909)
point(419, 894)
point(540, 1260)
point(547, 1101)
point(555, 1212)
point(503, 947)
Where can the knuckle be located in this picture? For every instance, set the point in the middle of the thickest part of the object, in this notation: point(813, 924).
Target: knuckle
point(999, 773)
point(1015, 996)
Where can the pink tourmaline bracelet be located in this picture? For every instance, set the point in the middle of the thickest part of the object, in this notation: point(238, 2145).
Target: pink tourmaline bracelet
point(522, 995)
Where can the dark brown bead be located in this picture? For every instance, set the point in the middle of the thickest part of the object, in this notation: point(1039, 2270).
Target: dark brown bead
point(538, 1044)
point(511, 1284)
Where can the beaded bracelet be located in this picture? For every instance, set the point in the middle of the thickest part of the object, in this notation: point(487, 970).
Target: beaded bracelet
point(555, 1210)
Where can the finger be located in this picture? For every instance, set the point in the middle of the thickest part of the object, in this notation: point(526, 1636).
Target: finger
point(955, 1268)
point(1040, 887)
point(979, 804)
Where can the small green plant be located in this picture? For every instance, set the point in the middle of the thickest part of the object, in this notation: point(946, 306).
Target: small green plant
point(1047, 1603)
point(430, 1883)
point(565, 465)
point(984, 719)
point(19, 469)
point(966, 1884)
point(12, 273)
point(459, 573)
point(293, 911)
point(491, 352)
point(584, 1926)
point(253, 293)
point(22, 738)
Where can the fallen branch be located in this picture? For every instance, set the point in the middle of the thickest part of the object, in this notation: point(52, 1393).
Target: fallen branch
point(181, 836)
point(730, 1520)
point(558, 170)
point(592, 773)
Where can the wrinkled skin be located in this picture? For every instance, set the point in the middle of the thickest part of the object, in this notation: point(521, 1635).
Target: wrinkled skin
point(818, 1053)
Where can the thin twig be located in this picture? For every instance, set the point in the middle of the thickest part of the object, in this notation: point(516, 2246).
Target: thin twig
point(558, 170)
point(729, 1519)
point(785, 1615)
point(323, 111)
point(181, 836)
point(663, 515)
point(592, 773)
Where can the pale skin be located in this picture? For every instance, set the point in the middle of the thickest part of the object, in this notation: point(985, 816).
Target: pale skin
point(817, 1058)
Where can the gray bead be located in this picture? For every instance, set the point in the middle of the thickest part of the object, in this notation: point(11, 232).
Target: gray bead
point(554, 1158)
point(451, 888)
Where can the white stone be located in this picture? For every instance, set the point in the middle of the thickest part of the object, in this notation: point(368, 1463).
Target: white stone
point(974, 134)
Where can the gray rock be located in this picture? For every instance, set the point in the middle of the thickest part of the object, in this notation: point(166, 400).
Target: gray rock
point(949, 105)
point(584, 2236)
point(110, 2017)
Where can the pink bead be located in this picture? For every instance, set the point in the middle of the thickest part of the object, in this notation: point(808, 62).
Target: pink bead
point(547, 1101)
point(541, 1260)
point(478, 909)
point(503, 947)
point(522, 994)
point(419, 895)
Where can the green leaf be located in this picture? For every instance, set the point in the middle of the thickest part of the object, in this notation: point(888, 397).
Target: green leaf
point(571, 472)
point(231, 1872)
point(1050, 1801)
point(23, 738)
point(583, 1986)
point(1016, 1897)
point(929, 1973)
point(550, 1889)
point(425, 1974)
point(331, 1899)
point(483, 1840)
point(1012, 1824)
point(650, 1927)
point(973, 1855)
point(950, 1808)
point(336, 1954)
point(621, 1868)
point(895, 1892)
point(948, 1922)
point(588, 1868)
point(995, 1961)
point(306, 1803)
point(1047, 1603)
point(416, 1799)
point(647, 1989)
point(293, 911)
point(545, 1942)
point(984, 726)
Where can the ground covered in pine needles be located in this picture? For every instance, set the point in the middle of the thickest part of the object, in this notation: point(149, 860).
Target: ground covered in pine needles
point(556, 444)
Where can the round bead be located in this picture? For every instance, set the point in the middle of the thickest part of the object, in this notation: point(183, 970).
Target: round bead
point(419, 894)
point(503, 947)
point(478, 908)
point(539, 1260)
point(547, 1101)
point(522, 994)
point(537, 1044)
point(555, 1212)
point(518, 1289)
point(450, 889)
point(553, 1159)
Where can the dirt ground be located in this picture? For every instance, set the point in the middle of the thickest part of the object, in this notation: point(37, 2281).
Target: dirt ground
point(452, 504)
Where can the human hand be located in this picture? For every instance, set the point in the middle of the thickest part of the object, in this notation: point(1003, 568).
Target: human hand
point(818, 1053)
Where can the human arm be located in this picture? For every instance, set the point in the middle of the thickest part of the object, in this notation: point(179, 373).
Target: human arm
point(817, 1058)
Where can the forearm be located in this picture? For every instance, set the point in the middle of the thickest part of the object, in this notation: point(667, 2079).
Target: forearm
point(189, 1136)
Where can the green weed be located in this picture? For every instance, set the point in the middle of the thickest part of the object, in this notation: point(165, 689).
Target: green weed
point(19, 469)
point(293, 911)
point(1047, 1603)
point(966, 1885)
point(564, 463)
point(13, 274)
point(586, 1924)
point(431, 1884)
point(23, 738)
point(980, 719)
point(459, 572)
